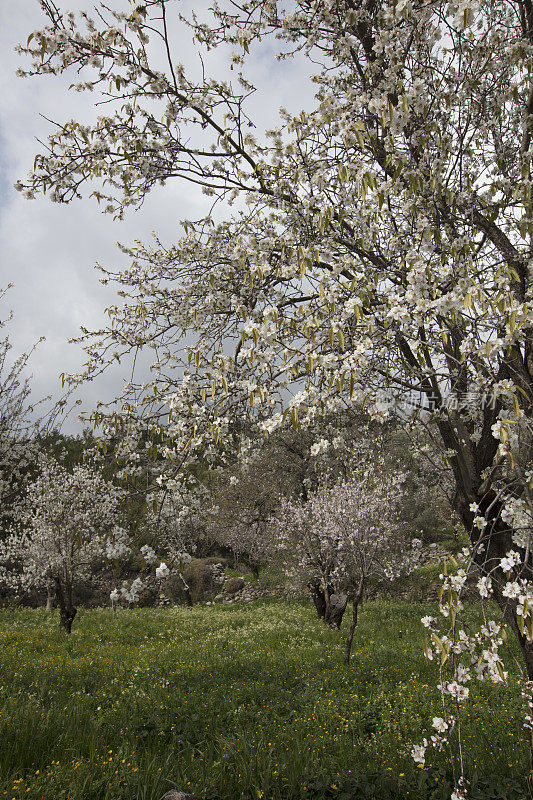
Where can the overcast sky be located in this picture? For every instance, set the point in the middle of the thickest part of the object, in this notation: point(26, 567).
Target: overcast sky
point(48, 251)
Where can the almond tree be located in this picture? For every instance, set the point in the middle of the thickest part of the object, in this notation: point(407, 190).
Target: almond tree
point(348, 537)
point(66, 521)
point(175, 530)
point(249, 490)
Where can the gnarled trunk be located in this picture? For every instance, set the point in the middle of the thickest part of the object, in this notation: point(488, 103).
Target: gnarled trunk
point(67, 609)
point(330, 605)
point(318, 598)
point(254, 567)
point(335, 609)
point(66, 618)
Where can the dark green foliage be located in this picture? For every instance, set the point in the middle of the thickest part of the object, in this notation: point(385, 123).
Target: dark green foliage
point(233, 585)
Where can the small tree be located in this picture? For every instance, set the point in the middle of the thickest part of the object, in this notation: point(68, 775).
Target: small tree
point(65, 522)
point(289, 463)
point(346, 537)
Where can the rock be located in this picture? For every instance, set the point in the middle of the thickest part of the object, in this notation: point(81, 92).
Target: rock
point(175, 795)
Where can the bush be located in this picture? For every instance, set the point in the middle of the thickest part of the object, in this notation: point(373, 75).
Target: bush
point(204, 577)
point(233, 585)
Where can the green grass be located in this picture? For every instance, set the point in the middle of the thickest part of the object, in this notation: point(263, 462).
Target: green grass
point(235, 702)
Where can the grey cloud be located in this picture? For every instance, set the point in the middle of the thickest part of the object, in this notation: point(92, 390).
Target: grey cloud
point(47, 250)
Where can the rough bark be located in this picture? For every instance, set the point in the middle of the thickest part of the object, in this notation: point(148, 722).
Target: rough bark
point(335, 609)
point(67, 609)
point(330, 605)
point(318, 598)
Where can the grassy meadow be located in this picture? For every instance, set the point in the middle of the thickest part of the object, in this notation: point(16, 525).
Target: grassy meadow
point(244, 701)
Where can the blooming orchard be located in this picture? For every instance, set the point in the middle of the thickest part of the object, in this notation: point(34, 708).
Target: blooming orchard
point(380, 250)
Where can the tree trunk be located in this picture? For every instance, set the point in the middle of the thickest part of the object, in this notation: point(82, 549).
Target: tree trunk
point(356, 601)
point(186, 591)
point(67, 610)
point(66, 618)
point(253, 565)
point(330, 605)
point(49, 594)
point(335, 609)
point(318, 598)
point(349, 640)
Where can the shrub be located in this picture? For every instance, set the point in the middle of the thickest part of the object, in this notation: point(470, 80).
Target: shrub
point(204, 577)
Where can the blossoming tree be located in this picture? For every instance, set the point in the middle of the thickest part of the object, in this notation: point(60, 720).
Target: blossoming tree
point(381, 249)
point(348, 537)
point(66, 521)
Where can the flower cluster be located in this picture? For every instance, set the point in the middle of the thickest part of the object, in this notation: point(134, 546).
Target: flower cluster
point(162, 571)
point(117, 544)
point(130, 592)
